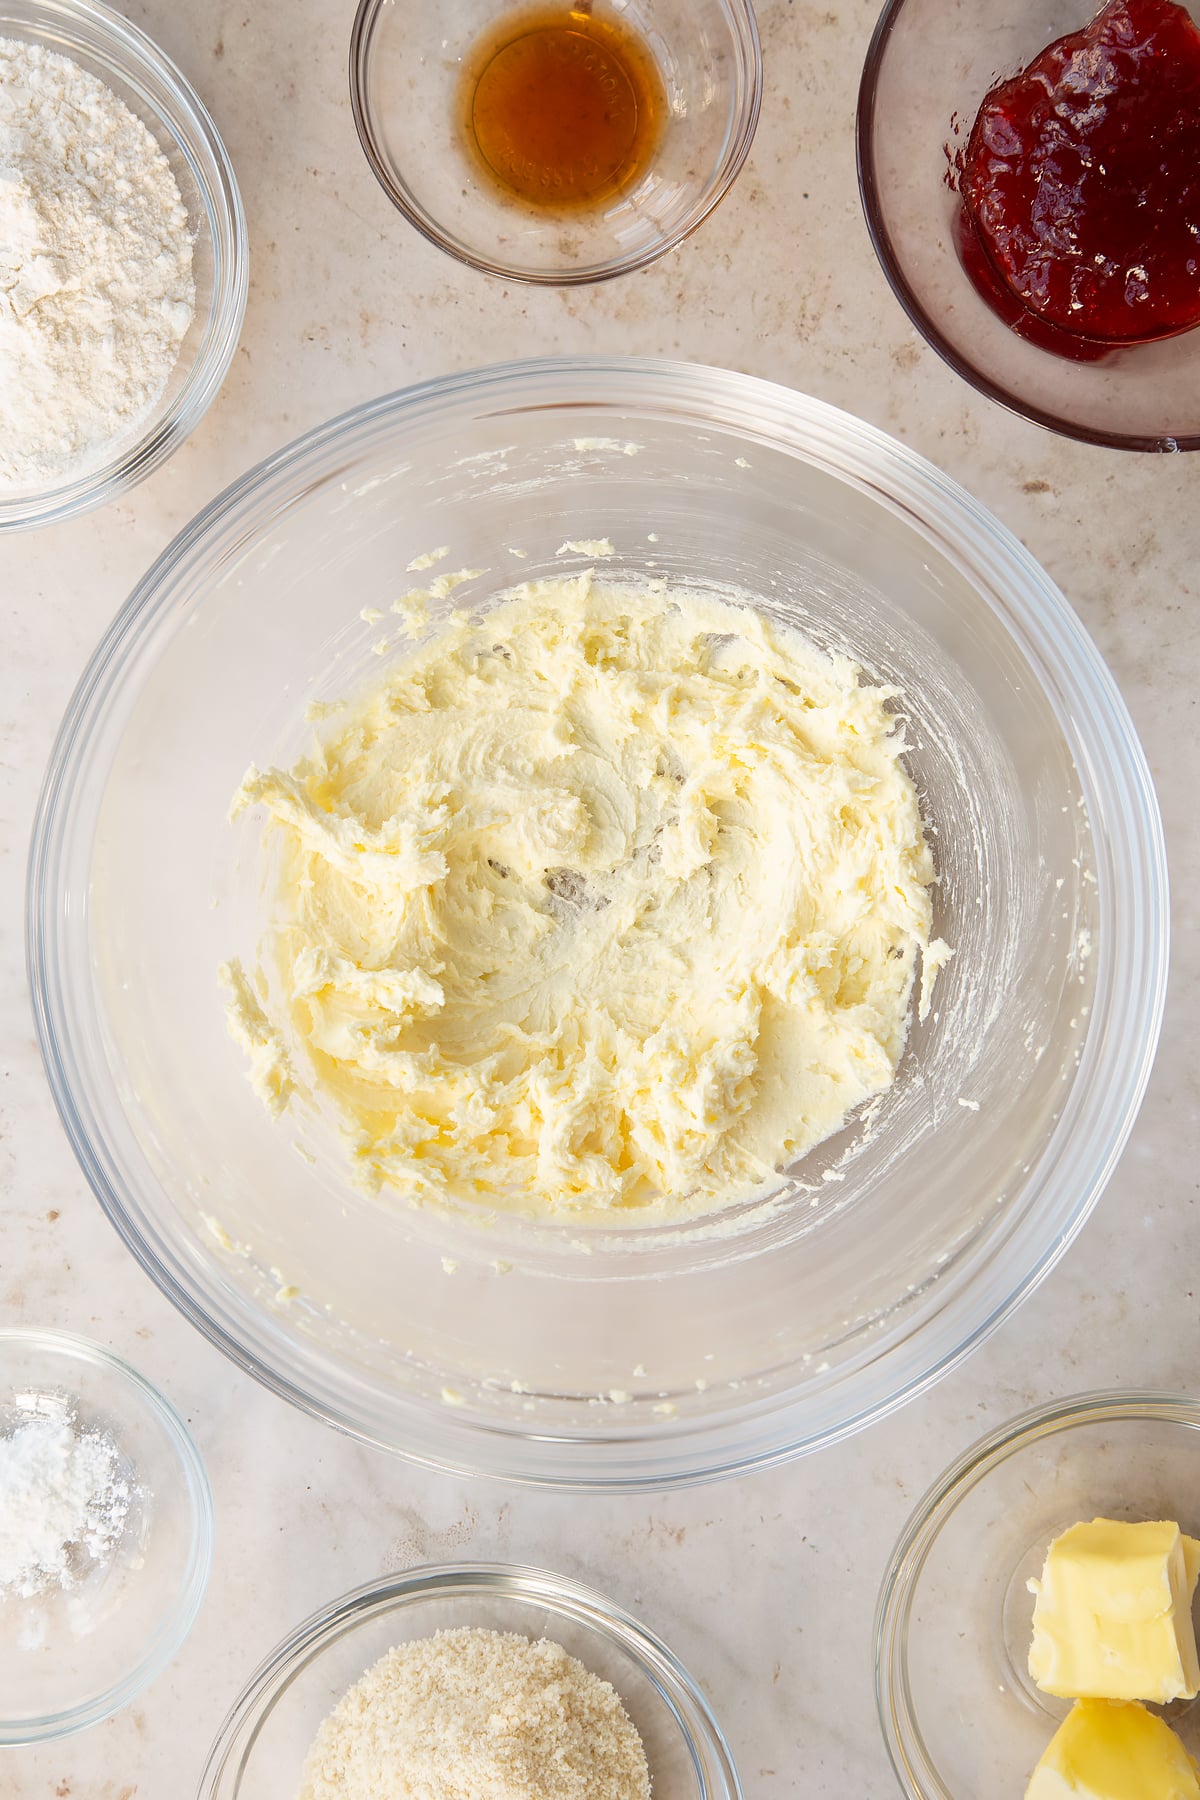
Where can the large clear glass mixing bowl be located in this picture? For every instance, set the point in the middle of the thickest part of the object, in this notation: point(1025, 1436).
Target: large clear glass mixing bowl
point(601, 1359)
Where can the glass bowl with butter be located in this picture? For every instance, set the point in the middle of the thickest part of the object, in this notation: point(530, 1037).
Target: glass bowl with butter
point(1021, 1618)
point(611, 1351)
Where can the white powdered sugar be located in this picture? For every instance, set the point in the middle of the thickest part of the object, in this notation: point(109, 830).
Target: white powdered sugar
point(96, 287)
point(65, 1496)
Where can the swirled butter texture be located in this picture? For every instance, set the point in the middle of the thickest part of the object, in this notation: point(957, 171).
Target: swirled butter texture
point(611, 899)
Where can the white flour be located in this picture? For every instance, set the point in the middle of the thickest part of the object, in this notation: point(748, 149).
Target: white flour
point(64, 1499)
point(96, 289)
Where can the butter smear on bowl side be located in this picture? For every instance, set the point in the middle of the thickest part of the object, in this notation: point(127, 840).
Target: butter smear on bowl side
point(1112, 1616)
point(1114, 1750)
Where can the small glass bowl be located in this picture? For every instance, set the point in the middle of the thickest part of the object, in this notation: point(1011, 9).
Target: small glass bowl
point(124, 58)
point(406, 62)
point(261, 1748)
point(927, 70)
point(71, 1657)
point(955, 1615)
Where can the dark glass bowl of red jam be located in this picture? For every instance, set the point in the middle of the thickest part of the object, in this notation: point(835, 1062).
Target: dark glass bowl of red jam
point(1031, 182)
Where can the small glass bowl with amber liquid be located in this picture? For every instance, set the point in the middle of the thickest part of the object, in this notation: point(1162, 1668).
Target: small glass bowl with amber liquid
point(551, 143)
point(562, 108)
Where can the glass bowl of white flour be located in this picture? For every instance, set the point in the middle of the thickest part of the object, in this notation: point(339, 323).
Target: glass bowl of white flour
point(123, 259)
point(106, 1534)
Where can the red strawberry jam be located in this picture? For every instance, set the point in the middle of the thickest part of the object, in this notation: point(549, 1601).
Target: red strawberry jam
point(1081, 179)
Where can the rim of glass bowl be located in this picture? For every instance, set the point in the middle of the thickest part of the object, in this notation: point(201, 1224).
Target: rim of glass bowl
point(897, 1716)
point(1131, 952)
point(893, 268)
point(179, 111)
point(744, 25)
point(711, 1757)
point(175, 1627)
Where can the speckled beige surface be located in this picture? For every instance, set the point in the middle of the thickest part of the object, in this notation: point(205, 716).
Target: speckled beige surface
point(766, 1586)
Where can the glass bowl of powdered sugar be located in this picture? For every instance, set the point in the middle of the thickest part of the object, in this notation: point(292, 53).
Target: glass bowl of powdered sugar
point(123, 259)
point(106, 1534)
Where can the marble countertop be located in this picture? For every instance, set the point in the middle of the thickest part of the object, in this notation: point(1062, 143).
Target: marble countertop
point(764, 1586)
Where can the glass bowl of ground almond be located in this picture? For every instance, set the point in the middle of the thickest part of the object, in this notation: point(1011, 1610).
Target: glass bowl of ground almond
point(123, 273)
point(471, 1678)
point(556, 143)
point(598, 922)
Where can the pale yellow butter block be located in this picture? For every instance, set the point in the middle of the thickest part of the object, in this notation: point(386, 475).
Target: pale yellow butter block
point(1114, 1750)
point(1112, 1617)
